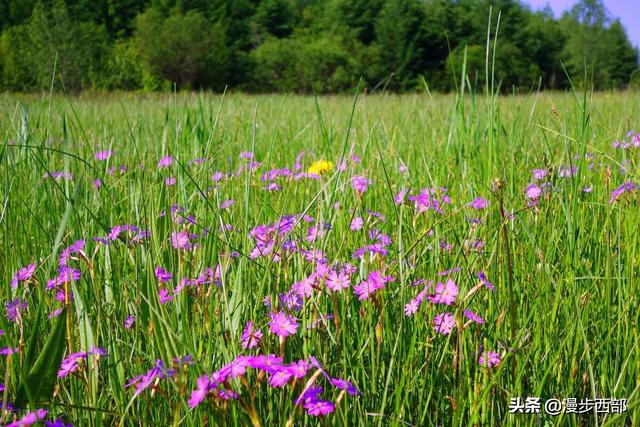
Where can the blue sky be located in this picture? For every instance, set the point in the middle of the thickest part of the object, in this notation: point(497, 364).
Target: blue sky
point(627, 10)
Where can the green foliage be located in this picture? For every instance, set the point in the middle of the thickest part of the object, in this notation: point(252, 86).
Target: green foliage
point(292, 65)
point(39, 379)
point(510, 69)
point(213, 44)
point(183, 48)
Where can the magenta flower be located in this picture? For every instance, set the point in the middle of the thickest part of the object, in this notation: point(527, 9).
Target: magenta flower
point(227, 204)
point(356, 223)
point(180, 240)
point(170, 181)
point(368, 287)
point(165, 162)
point(318, 408)
point(201, 391)
point(298, 369)
point(485, 281)
point(311, 394)
point(533, 192)
point(539, 174)
point(14, 309)
point(472, 316)
point(103, 155)
point(129, 321)
point(619, 191)
point(23, 275)
point(280, 377)
point(445, 293)
point(489, 359)
point(359, 184)
point(478, 203)
point(444, 323)
point(29, 419)
point(162, 275)
point(398, 199)
point(250, 337)
point(337, 281)
point(283, 324)
point(343, 384)
point(8, 351)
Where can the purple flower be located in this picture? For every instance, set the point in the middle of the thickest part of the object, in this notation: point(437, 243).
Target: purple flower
point(619, 191)
point(14, 309)
point(444, 323)
point(8, 351)
point(227, 204)
point(489, 359)
point(359, 184)
point(311, 394)
point(445, 293)
point(343, 384)
point(201, 391)
point(165, 162)
point(356, 223)
point(164, 296)
point(533, 192)
point(280, 377)
point(29, 419)
point(283, 324)
point(337, 281)
point(472, 316)
point(23, 275)
point(298, 369)
point(103, 155)
point(162, 275)
point(368, 287)
point(170, 181)
point(71, 363)
point(129, 321)
point(318, 408)
point(539, 174)
point(398, 199)
point(478, 203)
point(180, 240)
point(485, 281)
point(250, 337)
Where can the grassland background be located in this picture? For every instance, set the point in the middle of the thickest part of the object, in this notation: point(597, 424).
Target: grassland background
point(574, 256)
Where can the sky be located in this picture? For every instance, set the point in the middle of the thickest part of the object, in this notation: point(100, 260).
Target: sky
point(627, 10)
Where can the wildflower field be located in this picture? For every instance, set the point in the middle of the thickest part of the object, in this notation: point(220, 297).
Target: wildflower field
point(196, 259)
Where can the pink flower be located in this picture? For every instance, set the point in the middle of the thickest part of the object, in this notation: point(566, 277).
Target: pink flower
point(317, 408)
point(337, 281)
point(356, 223)
point(180, 240)
point(201, 391)
point(444, 293)
point(489, 359)
point(165, 162)
point(366, 288)
point(533, 192)
point(359, 184)
point(251, 337)
point(478, 203)
point(444, 323)
point(170, 181)
point(283, 324)
point(472, 316)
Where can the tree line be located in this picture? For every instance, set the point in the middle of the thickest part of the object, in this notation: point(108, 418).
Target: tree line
point(308, 45)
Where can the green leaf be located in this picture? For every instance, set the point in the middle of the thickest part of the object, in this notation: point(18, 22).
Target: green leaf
point(39, 382)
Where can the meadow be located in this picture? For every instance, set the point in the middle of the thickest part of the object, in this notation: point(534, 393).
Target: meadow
point(199, 259)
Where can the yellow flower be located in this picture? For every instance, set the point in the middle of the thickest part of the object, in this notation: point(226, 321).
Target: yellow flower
point(320, 166)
